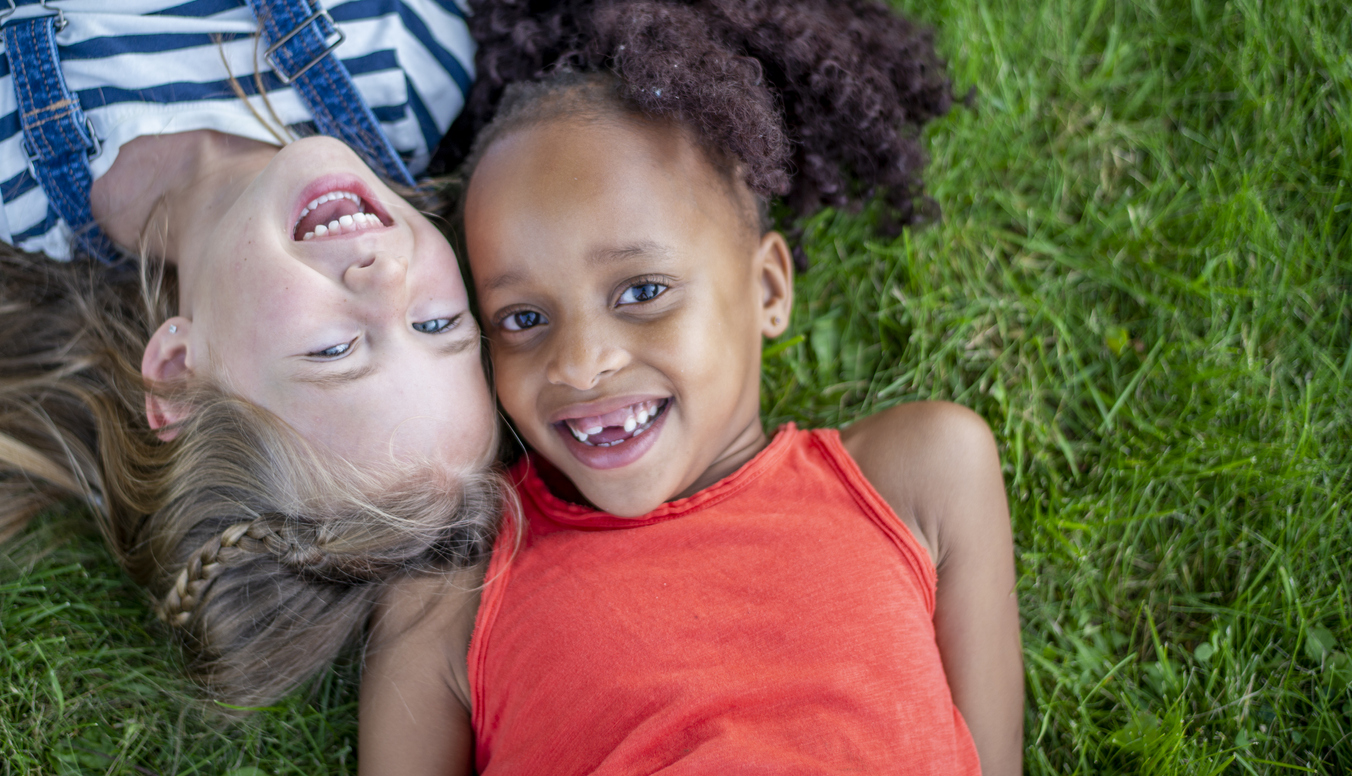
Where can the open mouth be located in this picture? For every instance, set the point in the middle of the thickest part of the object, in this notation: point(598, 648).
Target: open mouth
point(336, 213)
point(617, 427)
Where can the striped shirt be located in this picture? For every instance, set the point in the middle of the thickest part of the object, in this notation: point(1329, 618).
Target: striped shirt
point(150, 67)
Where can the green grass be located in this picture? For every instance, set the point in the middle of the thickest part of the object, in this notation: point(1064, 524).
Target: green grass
point(1142, 279)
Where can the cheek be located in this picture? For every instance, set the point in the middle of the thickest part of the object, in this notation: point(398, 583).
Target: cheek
point(472, 415)
point(259, 292)
point(436, 269)
point(713, 344)
point(516, 387)
point(255, 317)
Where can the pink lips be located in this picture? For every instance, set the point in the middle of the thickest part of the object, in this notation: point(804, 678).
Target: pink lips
point(617, 453)
point(338, 182)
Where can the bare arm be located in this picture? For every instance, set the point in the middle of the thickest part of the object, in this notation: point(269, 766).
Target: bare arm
point(415, 707)
point(937, 465)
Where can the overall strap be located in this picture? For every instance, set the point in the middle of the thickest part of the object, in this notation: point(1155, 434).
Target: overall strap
point(57, 136)
point(301, 37)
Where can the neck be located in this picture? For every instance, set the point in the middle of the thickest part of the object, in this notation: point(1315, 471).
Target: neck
point(161, 184)
point(750, 440)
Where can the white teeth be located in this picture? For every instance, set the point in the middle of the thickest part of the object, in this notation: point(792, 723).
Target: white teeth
point(332, 195)
point(345, 225)
point(640, 417)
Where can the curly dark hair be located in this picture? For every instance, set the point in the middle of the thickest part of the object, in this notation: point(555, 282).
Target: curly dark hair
point(821, 100)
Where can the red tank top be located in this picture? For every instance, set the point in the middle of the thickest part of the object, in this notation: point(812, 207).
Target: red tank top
point(778, 622)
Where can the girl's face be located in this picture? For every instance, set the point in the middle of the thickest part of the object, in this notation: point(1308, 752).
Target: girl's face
point(622, 283)
point(360, 337)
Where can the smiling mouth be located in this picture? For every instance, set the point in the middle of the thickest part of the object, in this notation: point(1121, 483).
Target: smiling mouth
point(616, 427)
point(334, 214)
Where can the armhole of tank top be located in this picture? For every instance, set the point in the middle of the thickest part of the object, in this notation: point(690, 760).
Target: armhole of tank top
point(877, 508)
point(495, 580)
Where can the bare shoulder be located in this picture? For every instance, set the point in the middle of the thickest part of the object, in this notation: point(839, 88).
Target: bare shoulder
point(923, 458)
point(427, 621)
point(426, 603)
point(415, 699)
point(938, 466)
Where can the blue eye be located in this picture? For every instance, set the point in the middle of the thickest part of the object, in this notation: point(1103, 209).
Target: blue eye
point(520, 321)
point(436, 325)
point(333, 352)
point(643, 292)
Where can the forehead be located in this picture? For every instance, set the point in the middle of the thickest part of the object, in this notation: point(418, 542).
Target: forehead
point(595, 177)
point(589, 157)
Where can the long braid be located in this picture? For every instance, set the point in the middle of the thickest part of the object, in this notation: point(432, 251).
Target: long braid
point(178, 604)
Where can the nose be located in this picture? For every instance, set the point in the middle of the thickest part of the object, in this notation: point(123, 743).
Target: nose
point(376, 272)
point(586, 353)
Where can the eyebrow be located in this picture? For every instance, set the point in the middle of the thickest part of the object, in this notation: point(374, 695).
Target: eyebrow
point(471, 337)
point(646, 248)
point(334, 379)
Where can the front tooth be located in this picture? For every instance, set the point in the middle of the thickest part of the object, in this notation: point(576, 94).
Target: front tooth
point(334, 226)
point(630, 423)
point(594, 430)
point(345, 220)
point(308, 236)
point(642, 417)
point(321, 230)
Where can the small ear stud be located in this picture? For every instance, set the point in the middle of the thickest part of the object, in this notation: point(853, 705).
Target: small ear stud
point(774, 320)
point(173, 328)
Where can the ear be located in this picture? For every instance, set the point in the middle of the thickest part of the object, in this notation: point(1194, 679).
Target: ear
point(166, 361)
point(774, 261)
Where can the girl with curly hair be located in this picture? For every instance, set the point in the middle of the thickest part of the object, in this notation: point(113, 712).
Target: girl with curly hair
point(684, 593)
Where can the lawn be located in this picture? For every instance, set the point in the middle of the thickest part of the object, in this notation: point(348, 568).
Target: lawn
point(1142, 278)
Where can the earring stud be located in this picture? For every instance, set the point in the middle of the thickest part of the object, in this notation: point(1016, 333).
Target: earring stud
point(774, 320)
point(173, 328)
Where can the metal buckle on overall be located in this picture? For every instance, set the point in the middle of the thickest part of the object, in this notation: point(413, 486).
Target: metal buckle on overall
point(269, 56)
point(14, 7)
point(95, 146)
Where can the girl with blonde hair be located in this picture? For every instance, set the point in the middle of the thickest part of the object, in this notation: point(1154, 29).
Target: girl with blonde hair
point(256, 363)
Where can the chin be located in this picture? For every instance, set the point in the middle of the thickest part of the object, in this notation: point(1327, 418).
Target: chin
point(615, 502)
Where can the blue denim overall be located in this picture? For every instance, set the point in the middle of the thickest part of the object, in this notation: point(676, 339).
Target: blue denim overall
point(60, 140)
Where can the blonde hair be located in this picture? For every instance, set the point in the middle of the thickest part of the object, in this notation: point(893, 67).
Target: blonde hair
point(264, 555)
